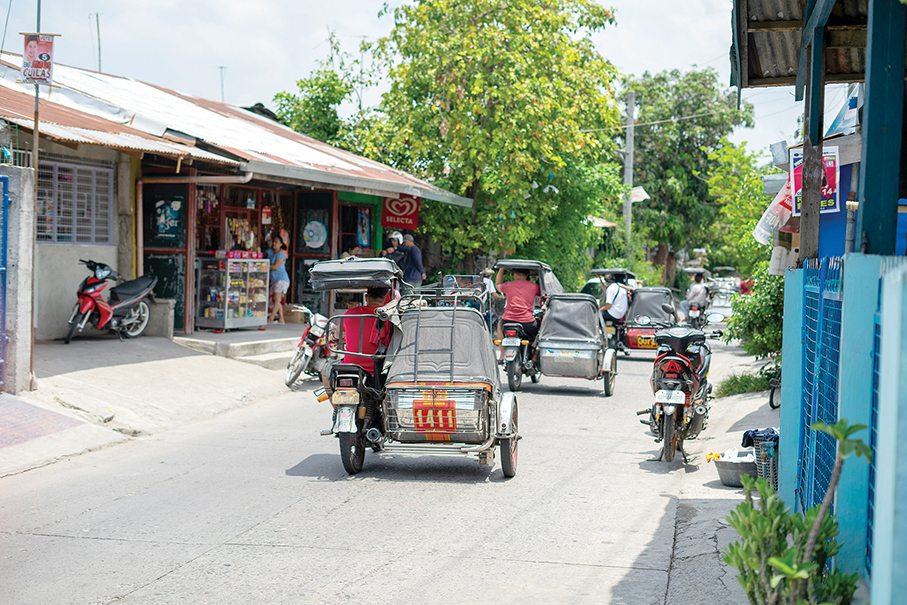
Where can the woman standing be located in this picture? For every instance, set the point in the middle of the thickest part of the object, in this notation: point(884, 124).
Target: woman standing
point(280, 279)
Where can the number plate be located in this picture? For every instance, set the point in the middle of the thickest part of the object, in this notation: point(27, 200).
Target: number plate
point(676, 397)
point(345, 398)
point(610, 330)
point(694, 313)
point(645, 342)
point(511, 342)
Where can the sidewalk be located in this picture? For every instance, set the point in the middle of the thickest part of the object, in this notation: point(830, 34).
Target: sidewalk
point(99, 391)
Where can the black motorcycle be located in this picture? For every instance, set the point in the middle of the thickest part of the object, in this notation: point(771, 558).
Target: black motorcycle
point(519, 355)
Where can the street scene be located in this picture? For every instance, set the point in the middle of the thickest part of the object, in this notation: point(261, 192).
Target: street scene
point(453, 300)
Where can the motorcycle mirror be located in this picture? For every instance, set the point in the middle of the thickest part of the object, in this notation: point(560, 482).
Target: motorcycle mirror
point(643, 320)
point(714, 318)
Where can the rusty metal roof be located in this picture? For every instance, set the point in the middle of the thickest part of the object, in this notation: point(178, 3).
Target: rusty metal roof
point(264, 146)
point(766, 47)
point(73, 127)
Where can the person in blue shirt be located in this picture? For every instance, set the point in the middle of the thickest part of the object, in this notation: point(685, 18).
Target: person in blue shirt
point(280, 279)
point(415, 272)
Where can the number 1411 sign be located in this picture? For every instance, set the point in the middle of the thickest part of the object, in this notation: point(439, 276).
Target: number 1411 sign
point(828, 193)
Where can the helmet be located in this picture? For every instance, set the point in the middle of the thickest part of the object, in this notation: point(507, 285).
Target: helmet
point(397, 236)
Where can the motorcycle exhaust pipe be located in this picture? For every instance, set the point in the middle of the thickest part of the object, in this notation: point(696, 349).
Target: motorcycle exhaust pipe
point(696, 422)
point(374, 435)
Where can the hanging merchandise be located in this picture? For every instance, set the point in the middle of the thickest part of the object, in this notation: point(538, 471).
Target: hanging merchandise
point(266, 215)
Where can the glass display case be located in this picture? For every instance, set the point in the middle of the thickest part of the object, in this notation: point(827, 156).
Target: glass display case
point(232, 293)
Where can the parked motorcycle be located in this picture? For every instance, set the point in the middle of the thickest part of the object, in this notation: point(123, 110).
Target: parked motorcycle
point(311, 352)
point(519, 356)
point(125, 311)
point(681, 388)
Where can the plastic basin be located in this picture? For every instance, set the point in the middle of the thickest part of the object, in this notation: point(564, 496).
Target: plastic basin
point(730, 472)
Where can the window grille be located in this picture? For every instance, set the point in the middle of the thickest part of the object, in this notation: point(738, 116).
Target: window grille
point(75, 201)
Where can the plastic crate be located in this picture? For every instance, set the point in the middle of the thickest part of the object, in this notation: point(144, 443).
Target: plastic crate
point(766, 461)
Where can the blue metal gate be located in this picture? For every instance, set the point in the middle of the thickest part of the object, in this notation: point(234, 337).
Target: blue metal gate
point(823, 295)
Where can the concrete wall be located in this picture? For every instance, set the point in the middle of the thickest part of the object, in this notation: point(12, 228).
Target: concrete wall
point(57, 266)
point(20, 264)
point(791, 387)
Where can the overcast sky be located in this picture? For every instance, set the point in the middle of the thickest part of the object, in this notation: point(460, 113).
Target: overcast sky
point(267, 45)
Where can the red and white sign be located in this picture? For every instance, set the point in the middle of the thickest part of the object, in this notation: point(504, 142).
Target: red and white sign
point(38, 58)
point(400, 212)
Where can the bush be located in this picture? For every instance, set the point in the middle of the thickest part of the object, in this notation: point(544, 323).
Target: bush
point(758, 319)
point(742, 383)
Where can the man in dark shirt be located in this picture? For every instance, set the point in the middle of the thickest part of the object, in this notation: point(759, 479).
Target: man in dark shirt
point(415, 273)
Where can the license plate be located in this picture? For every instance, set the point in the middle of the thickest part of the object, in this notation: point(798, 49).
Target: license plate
point(694, 313)
point(645, 342)
point(676, 397)
point(511, 342)
point(345, 398)
point(610, 330)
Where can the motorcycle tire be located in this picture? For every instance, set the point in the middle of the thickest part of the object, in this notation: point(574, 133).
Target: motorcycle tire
point(138, 320)
point(73, 327)
point(297, 364)
point(610, 376)
point(509, 447)
point(773, 401)
point(514, 373)
point(352, 452)
point(670, 439)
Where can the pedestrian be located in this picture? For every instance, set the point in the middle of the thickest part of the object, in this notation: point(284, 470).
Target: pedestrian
point(351, 247)
point(488, 294)
point(280, 279)
point(414, 275)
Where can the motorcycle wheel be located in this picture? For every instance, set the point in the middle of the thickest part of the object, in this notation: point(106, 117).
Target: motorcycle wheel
point(73, 327)
point(670, 439)
point(297, 364)
point(509, 447)
point(610, 377)
point(137, 320)
point(515, 373)
point(775, 383)
point(352, 453)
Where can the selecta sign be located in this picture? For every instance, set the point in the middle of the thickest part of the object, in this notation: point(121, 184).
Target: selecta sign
point(400, 212)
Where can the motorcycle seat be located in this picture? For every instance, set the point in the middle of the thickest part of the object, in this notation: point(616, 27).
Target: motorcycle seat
point(132, 288)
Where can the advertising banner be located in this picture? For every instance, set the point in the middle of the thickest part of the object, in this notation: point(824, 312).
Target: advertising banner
point(829, 201)
point(38, 58)
point(400, 212)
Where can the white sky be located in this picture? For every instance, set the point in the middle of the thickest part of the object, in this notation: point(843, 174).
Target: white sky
point(267, 45)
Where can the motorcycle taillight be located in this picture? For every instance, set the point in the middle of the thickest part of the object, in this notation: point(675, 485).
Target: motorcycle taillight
point(672, 366)
point(346, 382)
point(510, 333)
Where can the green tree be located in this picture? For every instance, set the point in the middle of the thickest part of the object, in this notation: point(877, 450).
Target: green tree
point(735, 182)
point(505, 102)
point(683, 117)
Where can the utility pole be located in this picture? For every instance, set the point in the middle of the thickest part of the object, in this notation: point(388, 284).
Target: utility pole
point(628, 169)
point(97, 21)
point(222, 68)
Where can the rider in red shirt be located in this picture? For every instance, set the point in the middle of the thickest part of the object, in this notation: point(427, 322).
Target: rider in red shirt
point(361, 335)
point(521, 294)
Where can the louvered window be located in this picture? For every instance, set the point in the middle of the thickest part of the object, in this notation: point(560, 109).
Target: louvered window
point(75, 201)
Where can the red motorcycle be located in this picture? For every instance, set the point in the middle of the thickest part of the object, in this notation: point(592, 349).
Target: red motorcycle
point(125, 312)
point(311, 352)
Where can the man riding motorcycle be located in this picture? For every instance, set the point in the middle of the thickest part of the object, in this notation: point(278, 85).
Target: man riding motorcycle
point(520, 294)
point(359, 331)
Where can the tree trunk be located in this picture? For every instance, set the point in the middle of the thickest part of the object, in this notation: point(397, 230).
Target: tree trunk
point(670, 270)
point(661, 255)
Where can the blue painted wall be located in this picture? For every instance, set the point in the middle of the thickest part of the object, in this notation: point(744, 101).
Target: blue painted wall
point(861, 287)
point(791, 387)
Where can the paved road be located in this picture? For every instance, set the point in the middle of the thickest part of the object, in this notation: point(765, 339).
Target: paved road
point(253, 506)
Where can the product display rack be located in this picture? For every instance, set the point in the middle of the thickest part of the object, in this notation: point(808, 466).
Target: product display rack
point(232, 293)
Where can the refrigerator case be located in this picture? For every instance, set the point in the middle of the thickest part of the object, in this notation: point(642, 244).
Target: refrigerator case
point(232, 293)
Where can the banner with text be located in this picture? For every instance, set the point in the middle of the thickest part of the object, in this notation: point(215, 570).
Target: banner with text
point(400, 212)
point(829, 191)
point(38, 59)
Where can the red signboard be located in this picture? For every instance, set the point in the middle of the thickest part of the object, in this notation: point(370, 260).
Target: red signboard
point(400, 212)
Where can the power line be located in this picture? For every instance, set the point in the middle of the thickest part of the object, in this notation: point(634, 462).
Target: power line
point(697, 115)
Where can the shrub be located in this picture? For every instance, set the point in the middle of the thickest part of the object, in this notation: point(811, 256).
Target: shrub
point(758, 319)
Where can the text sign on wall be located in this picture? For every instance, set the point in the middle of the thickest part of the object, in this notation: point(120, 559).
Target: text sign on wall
point(828, 193)
point(400, 212)
point(38, 59)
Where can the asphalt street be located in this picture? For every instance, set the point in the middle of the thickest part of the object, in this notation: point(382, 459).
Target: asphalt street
point(253, 506)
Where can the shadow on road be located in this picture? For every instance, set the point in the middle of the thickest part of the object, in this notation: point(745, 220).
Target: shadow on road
point(390, 467)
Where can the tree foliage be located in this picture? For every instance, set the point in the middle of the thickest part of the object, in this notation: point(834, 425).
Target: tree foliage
point(758, 319)
point(735, 182)
point(683, 117)
point(501, 101)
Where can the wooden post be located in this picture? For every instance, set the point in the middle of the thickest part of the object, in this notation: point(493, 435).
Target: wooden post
point(876, 230)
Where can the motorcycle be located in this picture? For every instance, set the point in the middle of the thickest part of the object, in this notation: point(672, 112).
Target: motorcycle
point(125, 312)
point(695, 316)
point(681, 387)
point(519, 356)
point(311, 352)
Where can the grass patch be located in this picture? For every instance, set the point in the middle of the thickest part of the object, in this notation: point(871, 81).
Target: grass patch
point(744, 382)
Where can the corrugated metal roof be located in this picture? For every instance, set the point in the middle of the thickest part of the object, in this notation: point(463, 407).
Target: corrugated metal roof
point(73, 126)
point(271, 147)
point(767, 42)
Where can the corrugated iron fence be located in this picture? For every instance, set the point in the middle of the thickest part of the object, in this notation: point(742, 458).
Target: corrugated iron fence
point(823, 296)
